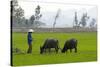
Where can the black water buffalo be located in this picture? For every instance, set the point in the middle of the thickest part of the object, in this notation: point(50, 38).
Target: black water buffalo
point(70, 44)
point(48, 44)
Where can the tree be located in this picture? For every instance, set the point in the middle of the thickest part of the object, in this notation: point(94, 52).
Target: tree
point(35, 19)
point(76, 20)
point(38, 24)
point(35, 23)
point(26, 23)
point(14, 6)
point(92, 23)
point(84, 19)
point(32, 19)
point(18, 13)
point(38, 15)
point(56, 17)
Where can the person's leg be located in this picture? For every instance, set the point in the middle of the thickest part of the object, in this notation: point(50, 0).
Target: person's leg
point(30, 48)
point(70, 50)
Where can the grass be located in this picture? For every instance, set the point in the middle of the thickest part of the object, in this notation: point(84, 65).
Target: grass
point(87, 48)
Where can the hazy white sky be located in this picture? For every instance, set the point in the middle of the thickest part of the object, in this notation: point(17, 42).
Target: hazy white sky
point(49, 11)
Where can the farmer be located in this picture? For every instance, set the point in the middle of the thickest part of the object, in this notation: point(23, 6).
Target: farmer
point(29, 37)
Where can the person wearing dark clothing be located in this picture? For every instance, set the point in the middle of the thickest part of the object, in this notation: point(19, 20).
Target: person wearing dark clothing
point(29, 37)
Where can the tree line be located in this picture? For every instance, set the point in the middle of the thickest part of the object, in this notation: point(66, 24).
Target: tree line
point(83, 21)
point(19, 19)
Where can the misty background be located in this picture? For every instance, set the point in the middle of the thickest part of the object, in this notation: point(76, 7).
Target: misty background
point(48, 12)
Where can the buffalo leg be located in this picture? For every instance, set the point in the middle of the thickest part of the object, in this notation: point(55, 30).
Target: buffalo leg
point(45, 50)
point(49, 50)
point(70, 50)
point(75, 50)
point(66, 50)
point(56, 50)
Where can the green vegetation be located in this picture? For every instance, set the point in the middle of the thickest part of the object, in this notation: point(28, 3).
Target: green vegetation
point(87, 48)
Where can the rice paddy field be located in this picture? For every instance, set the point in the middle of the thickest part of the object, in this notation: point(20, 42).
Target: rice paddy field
point(87, 48)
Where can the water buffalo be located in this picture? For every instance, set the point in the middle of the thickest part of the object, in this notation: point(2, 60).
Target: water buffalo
point(48, 44)
point(70, 44)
